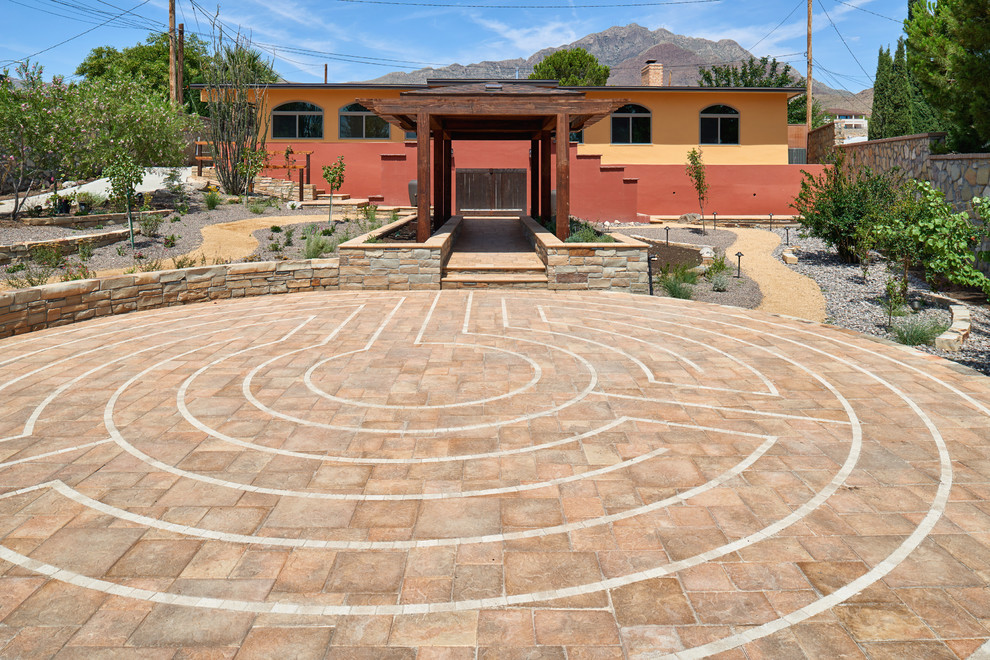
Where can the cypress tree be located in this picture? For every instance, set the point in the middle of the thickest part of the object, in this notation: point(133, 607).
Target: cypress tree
point(898, 119)
point(881, 92)
point(926, 119)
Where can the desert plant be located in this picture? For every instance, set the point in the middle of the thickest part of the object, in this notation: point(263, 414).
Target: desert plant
point(77, 271)
point(895, 298)
point(289, 232)
point(171, 240)
point(92, 200)
point(257, 208)
point(150, 225)
point(582, 232)
point(316, 246)
point(183, 261)
point(676, 289)
point(327, 232)
point(720, 281)
point(717, 266)
point(275, 246)
point(918, 330)
point(125, 175)
point(85, 251)
point(679, 273)
point(275, 229)
point(212, 199)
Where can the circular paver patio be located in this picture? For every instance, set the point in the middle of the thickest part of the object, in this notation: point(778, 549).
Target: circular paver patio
point(525, 474)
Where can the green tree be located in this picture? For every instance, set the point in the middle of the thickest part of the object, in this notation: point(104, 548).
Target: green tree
point(764, 72)
point(149, 60)
point(881, 96)
point(695, 169)
point(334, 176)
point(948, 55)
point(572, 67)
point(898, 120)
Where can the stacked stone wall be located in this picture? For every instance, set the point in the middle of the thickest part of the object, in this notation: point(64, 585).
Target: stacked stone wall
point(619, 266)
point(821, 143)
point(21, 252)
point(36, 308)
point(909, 153)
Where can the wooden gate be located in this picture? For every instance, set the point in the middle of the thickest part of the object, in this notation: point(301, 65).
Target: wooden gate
point(491, 190)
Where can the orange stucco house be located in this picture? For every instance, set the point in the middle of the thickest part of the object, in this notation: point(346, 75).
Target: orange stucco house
point(623, 167)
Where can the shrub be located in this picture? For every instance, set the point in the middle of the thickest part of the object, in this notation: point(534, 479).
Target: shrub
point(717, 266)
point(316, 247)
point(45, 261)
point(257, 208)
point(720, 281)
point(77, 271)
point(275, 247)
point(171, 240)
point(93, 200)
point(85, 251)
point(275, 229)
point(676, 289)
point(150, 225)
point(918, 330)
point(327, 232)
point(183, 261)
point(212, 199)
point(582, 232)
point(679, 273)
point(289, 232)
point(833, 206)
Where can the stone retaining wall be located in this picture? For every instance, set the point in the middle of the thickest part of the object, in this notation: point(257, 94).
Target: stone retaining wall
point(35, 308)
point(396, 266)
point(619, 266)
point(21, 252)
point(821, 144)
point(92, 220)
point(910, 153)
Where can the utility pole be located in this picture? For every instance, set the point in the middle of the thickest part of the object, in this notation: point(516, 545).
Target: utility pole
point(807, 92)
point(171, 49)
point(179, 65)
point(324, 73)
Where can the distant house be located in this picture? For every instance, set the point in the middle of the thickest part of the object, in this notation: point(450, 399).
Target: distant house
point(626, 165)
point(850, 125)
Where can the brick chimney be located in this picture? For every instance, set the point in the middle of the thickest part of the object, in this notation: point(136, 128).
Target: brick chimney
point(652, 74)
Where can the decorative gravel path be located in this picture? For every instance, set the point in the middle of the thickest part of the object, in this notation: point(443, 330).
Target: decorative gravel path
point(487, 474)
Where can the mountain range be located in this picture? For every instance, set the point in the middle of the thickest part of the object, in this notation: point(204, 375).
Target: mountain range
point(625, 49)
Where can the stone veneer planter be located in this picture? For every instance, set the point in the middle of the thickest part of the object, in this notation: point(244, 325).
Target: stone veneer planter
point(619, 266)
point(92, 220)
point(19, 252)
point(35, 308)
point(396, 266)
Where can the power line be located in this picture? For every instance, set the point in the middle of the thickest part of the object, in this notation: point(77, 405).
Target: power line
point(796, 7)
point(460, 6)
point(849, 4)
point(843, 39)
point(85, 32)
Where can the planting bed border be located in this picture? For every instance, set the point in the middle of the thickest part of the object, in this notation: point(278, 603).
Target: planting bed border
point(619, 266)
point(91, 219)
point(21, 252)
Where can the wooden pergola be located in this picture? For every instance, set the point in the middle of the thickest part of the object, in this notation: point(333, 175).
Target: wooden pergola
point(493, 110)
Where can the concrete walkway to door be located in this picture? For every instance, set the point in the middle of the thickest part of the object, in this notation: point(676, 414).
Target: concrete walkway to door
point(493, 251)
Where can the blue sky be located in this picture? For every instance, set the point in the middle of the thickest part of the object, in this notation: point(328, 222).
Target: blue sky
point(363, 39)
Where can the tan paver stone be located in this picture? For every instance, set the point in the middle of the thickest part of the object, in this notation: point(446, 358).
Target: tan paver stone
point(487, 474)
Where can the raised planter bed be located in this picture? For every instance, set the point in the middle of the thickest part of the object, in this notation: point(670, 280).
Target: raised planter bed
point(618, 266)
point(396, 266)
point(21, 252)
point(92, 219)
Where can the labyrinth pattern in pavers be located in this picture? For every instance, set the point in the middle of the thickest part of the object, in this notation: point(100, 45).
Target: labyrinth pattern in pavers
point(487, 474)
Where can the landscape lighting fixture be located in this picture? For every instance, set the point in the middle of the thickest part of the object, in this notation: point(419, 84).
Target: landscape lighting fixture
point(739, 256)
point(668, 235)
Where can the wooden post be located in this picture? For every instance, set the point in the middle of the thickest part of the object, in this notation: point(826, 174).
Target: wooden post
point(563, 176)
point(180, 55)
point(438, 178)
point(301, 185)
point(545, 210)
point(324, 73)
point(309, 170)
point(422, 177)
point(171, 49)
point(448, 171)
point(534, 177)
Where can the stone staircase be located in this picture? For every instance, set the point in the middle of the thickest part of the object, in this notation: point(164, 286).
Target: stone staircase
point(266, 185)
point(502, 277)
point(492, 252)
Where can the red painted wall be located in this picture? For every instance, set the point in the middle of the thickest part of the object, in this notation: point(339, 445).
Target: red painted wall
point(611, 192)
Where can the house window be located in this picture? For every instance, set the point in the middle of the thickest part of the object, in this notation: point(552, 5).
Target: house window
point(297, 119)
point(357, 122)
point(631, 125)
point(719, 125)
point(577, 136)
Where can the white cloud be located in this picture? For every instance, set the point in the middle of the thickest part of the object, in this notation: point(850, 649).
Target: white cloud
point(524, 41)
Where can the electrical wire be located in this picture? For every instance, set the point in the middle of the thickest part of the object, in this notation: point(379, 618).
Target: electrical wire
point(83, 33)
point(461, 6)
point(786, 18)
point(843, 39)
point(849, 4)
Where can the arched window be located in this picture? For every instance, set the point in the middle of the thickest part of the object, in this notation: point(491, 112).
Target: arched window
point(631, 125)
point(297, 119)
point(356, 121)
point(719, 125)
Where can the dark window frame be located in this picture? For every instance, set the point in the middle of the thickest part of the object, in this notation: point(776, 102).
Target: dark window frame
point(297, 115)
point(723, 116)
point(631, 119)
point(358, 110)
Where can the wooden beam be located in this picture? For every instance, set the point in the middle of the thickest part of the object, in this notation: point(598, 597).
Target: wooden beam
point(438, 179)
point(534, 178)
point(563, 177)
point(448, 171)
point(545, 210)
point(423, 177)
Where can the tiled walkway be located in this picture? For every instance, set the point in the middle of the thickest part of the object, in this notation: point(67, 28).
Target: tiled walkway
point(487, 474)
point(492, 243)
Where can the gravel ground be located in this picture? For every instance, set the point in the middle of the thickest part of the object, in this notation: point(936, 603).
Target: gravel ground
point(742, 292)
point(856, 305)
point(343, 230)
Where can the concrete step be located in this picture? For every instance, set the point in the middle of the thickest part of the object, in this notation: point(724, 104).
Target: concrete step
point(337, 197)
point(494, 281)
point(536, 271)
